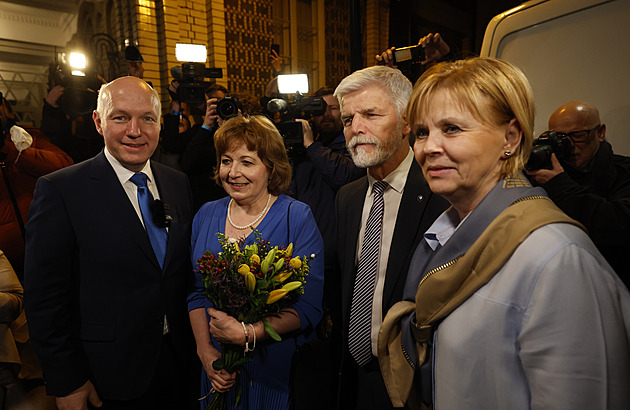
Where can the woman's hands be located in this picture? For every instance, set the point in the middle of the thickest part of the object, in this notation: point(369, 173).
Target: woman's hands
point(226, 329)
point(221, 380)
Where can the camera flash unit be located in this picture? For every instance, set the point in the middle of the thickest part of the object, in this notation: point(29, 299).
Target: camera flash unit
point(292, 83)
point(190, 53)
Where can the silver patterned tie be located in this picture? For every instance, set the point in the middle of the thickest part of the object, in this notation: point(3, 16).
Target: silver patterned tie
point(359, 342)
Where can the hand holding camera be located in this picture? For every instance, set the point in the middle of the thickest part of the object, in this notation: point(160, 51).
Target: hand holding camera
point(52, 98)
point(543, 175)
point(210, 119)
point(430, 48)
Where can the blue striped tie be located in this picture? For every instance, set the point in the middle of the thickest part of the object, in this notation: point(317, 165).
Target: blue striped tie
point(157, 236)
point(359, 342)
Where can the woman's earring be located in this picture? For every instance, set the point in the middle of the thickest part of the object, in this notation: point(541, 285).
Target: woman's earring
point(508, 153)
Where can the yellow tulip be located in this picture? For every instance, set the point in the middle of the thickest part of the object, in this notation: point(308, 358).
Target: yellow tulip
point(250, 281)
point(281, 277)
point(275, 295)
point(243, 269)
point(292, 285)
point(295, 263)
point(289, 250)
point(254, 258)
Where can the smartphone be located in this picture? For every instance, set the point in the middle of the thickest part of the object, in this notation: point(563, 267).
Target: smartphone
point(412, 54)
point(275, 47)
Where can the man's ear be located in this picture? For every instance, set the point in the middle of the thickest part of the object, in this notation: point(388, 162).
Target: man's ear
point(601, 133)
point(513, 136)
point(97, 122)
point(406, 128)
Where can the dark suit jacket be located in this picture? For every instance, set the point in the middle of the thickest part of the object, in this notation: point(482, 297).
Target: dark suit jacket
point(95, 294)
point(419, 208)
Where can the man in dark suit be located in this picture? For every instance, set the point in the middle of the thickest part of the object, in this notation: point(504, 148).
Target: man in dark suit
point(372, 104)
point(107, 313)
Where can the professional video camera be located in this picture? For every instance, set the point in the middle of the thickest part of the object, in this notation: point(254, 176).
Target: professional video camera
point(192, 87)
point(301, 107)
point(549, 142)
point(80, 84)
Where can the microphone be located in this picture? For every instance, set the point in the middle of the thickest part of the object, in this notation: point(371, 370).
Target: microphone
point(159, 211)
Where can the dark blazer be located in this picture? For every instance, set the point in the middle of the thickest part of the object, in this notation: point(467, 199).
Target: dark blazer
point(419, 208)
point(95, 294)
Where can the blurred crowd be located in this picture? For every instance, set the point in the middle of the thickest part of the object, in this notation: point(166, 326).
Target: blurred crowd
point(393, 183)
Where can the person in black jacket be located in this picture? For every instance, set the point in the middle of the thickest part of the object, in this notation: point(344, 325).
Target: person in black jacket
point(192, 147)
point(593, 184)
point(324, 165)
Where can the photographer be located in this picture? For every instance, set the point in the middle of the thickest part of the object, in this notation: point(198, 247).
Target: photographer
point(319, 170)
point(591, 183)
point(74, 133)
point(325, 164)
point(25, 155)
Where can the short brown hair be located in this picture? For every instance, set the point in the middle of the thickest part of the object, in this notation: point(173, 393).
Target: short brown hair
point(261, 136)
point(493, 90)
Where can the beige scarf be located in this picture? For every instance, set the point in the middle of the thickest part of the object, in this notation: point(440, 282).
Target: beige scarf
point(443, 289)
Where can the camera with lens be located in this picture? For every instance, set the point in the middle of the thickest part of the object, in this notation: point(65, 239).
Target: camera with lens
point(228, 107)
point(303, 108)
point(549, 142)
point(408, 55)
point(192, 88)
point(80, 87)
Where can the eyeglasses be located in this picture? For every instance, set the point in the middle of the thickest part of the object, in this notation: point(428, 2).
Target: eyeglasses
point(581, 135)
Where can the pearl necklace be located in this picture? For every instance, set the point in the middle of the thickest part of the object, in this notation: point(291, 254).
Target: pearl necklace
point(258, 218)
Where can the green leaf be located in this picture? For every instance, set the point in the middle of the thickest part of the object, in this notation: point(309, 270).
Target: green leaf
point(262, 284)
point(242, 361)
point(271, 332)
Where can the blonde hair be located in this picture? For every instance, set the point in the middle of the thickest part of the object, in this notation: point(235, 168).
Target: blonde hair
point(261, 136)
point(493, 90)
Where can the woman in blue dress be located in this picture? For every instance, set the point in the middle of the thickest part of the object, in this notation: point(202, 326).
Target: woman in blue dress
point(254, 170)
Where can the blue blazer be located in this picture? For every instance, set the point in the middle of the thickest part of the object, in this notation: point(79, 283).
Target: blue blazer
point(95, 295)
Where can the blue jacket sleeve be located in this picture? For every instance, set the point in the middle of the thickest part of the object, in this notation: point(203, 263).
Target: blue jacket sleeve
point(306, 241)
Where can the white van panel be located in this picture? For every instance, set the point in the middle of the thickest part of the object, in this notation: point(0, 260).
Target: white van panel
point(570, 50)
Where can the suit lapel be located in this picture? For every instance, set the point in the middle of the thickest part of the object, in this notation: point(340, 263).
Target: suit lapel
point(116, 202)
point(167, 196)
point(415, 199)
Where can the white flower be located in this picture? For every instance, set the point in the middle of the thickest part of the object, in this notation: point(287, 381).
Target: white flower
point(312, 256)
point(232, 240)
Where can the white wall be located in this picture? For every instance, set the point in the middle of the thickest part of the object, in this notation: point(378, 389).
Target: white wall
point(571, 50)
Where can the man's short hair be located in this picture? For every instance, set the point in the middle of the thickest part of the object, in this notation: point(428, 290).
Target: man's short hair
point(217, 87)
point(398, 86)
point(322, 91)
point(258, 134)
point(104, 101)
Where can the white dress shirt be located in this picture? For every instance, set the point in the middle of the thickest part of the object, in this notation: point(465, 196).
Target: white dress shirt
point(124, 175)
point(392, 197)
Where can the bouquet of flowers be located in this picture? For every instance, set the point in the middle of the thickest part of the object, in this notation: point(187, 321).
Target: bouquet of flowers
point(250, 283)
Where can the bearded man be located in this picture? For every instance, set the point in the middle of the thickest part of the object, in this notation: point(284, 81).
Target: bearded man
point(380, 221)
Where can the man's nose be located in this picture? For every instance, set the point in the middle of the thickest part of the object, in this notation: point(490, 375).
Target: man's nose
point(133, 128)
point(357, 125)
